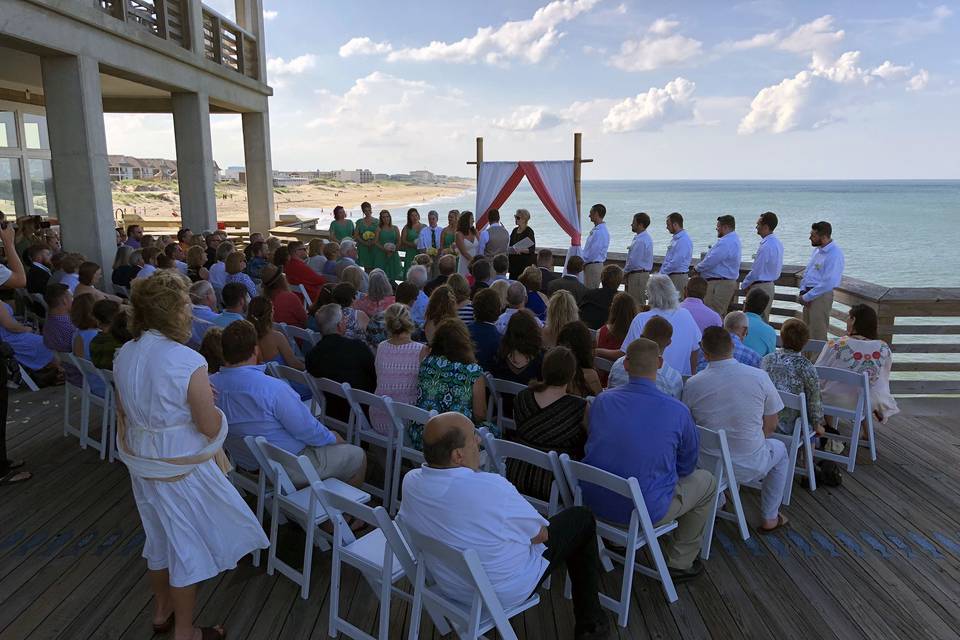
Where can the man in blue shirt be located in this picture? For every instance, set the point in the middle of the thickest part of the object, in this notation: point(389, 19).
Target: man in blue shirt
point(721, 266)
point(234, 304)
point(638, 431)
point(738, 327)
point(676, 262)
point(256, 404)
point(761, 337)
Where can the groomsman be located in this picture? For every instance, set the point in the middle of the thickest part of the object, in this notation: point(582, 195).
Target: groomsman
point(676, 263)
point(768, 263)
point(639, 259)
point(595, 250)
point(429, 240)
point(823, 274)
point(721, 266)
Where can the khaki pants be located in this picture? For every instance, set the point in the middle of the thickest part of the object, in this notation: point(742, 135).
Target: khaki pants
point(719, 295)
point(816, 314)
point(340, 461)
point(769, 289)
point(690, 507)
point(591, 275)
point(637, 286)
point(680, 282)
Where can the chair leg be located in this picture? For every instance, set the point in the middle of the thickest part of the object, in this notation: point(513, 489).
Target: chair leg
point(416, 607)
point(854, 446)
point(711, 523)
point(629, 562)
point(308, 557)
point(661, 564)
point(334, 592)
point(84, 419)
point(385, 593)
point(274, 526)
point(738, 509)
point(66, 409)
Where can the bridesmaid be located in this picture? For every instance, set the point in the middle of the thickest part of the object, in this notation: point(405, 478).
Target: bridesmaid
point(449, 234)
point(340, 228)
point(365, 233)
point(385, 254)
point(408, 238)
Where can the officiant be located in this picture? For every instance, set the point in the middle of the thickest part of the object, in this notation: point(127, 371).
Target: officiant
point(526, 256)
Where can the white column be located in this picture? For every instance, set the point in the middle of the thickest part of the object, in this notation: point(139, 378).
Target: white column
point(259, 170)
point(191, 125)
point(78, 147)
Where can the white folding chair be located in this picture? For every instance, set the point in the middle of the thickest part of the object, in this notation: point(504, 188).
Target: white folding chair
point(862, 412)
point(813, 348)
point(485, 612)
point(801, 438)
point(326, 386)
point(27, 380)
point(257, 486)
point(303, 378)
point(69, 389)
point(603, 364)
point(91, 376)
point(301, 340)
point(361, 404)
point(302, 290)
point(501, 389)
point(405, 415)
point(299, 505)
point(638, 534)
point(715, 457)
point(26, 300)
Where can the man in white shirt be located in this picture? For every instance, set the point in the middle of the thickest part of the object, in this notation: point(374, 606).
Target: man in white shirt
point(450, 499)
point(639, 259)
point(595, 249)
point(516, 300)
point(721, 266)
point(494, 239)
point(660, 331)
point(768, 263)
point(823, 274)
point(743, 402)
point(676, 262)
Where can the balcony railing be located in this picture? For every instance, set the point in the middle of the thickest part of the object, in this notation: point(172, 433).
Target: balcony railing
point(227, 44)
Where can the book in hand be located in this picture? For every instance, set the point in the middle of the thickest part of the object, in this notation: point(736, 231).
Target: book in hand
point(522, 245)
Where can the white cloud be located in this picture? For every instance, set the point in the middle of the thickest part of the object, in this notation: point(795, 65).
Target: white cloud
point(529, 118)
point(527, 40)
point(269, 15)
point(919, 81)
point(364, 47)
point(815, 36)
point(650, 111)
point(890, 71)
point(659, 47)
point(292, 67)
point(758, 41)
point(913, 28)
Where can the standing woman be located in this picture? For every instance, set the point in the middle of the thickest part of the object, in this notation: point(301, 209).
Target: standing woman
point(170, 436)
point(449, 234)
point(385, 254)
point(365, 233)
point(340, 228)
point(520, 260)
point(466, 243)
point(408, 238)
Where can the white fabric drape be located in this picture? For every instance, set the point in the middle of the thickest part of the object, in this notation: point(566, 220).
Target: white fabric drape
point(490, 181)
point(557, 176)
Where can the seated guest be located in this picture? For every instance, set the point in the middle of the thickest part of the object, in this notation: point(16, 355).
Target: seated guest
point(235, 264)
point(703, 315)
point(257, 260)
point(417, 275)
point(407, 295)
point(536, 301)
point(446, 265)
point(89, 275)
point(256, 404)
point(272, 345)
point(461, 293)
point(638, 432)
point(516, 301)
point(340, 359)
point(449, 498)
point(38, 275)
point(203, 301)
point(576, 337)
point(114, 333)
point(126, 264)
point(684, 347)
point(501, 265)
point(234, 304)
point(176, 254)
point(272, 245)
point(331, 251)
point(184, 239)
point(482, 272)
point(520, 355)
point(450, 379)
point(57, 329)
point(548, 418)
point(483, 331)
point(570, 281)
point(29, 348)
point(860, 350)
point(397, 363)
point(211, 348)
point(501, 287)
point(218, 270)
point(196, 258)
point(742, 401)
point(297, 271)
point(354, 322)
point(356, 276)
point(212, 241)
point(610, 338)
point(348, 255)
point(595, 304)
point(287, 306)
point(82, 317)
point(316, 259)
point(761, 337)
point(545, 265)
point(669, 380)
point(790, 371)
point(149, 265)
point(442, 305)
point(166, 263)
point(736, 323)
point(70, 265)
point(379, 294)
point(56, 262)
point(561, 310)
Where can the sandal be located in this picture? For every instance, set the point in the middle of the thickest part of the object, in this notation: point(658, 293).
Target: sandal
point(165, 626)
point(15, 477)
point(14, 464)
point(782, 523)
point(212, 633)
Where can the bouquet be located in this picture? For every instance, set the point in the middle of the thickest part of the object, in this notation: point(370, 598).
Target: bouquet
point(431, 251)
point(368, 235)
point(390, 247)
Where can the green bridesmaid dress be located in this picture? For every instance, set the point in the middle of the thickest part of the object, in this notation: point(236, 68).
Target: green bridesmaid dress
point(364, 253)
point(341, 229)
point(410, 254)
point(389, 263)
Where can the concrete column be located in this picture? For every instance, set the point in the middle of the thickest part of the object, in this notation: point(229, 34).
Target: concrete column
point(191, 125)
point(259, 170)
point(78, 147)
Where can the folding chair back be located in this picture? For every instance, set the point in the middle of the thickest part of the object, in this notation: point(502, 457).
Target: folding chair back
point(715, 457)
point(362, 405)
point(297, 377)
point(405, 415)
point(300, 340)
point(302, 290)
point(862, 412)
point(502, 389)
point(499, 452)
point(602, 364)
point(338, 389)
point(93, 378)
point(813, 348)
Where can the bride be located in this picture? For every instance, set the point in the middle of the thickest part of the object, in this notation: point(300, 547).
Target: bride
point(466, 242)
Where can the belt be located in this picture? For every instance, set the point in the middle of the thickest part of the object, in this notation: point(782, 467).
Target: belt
point(638, 271)
point(715, 279)
point(761, 282)
point(594, 262)
point(677, 273)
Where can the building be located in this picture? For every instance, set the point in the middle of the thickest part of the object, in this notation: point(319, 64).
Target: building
point(288, 179)
point(64, 64)
point(423, 176)
point(357, 175)
point(130, 168)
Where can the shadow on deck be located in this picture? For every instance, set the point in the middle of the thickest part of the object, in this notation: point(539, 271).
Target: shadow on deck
point(877, 558)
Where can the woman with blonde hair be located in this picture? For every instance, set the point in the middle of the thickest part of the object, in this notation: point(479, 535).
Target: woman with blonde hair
point(532, 279)
point(501, 286)
point(520, 260)
point(316, 259)
point(354, 275)
point(398, 363)
point(561, 310)
point(379, 294)
point(170, 435)
point(235, 264)
point(442, 305)
point(461, 293)
point(196, 257)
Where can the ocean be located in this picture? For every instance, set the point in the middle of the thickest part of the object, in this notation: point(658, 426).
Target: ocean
point(892, 232)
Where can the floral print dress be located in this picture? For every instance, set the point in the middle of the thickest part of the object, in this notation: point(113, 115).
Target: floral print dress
point(792, 372)
point(859, 355)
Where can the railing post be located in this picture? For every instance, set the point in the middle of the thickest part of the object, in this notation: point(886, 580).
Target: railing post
point(160, 6)
point(217, 39)
point(193, 14)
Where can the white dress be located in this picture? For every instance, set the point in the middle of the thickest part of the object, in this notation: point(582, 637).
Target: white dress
point(463, 264)
point(198, 526)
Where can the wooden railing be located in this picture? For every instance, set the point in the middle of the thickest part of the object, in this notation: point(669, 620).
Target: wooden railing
point(921, 324)
point(227, 44)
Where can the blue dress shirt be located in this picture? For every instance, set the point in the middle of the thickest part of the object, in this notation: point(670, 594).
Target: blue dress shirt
point(723, 259)
point(679, 254)
point(761, 337)
point(203, 312)
point(741, 353)
point(823, 273)
point(224, 319)
point(256, 404)
point(419, 308)
point(638, 431)
point(768, 264)
point(640, 253)
point(598, 241)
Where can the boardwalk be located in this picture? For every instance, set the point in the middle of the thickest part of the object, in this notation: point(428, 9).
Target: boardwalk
point(877, 558)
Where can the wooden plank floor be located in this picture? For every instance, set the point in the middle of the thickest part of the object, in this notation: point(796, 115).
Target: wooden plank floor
point(877, 558)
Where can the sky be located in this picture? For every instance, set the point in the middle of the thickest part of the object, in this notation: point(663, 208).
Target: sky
point(761, 89)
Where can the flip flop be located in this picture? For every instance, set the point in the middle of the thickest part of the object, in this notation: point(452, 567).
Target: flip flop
point(782, 523)
point(210, 633)
point(14, 464)
point(165, 626)
point(15, 477)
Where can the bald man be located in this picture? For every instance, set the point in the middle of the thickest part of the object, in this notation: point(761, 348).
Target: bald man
point(450, 499)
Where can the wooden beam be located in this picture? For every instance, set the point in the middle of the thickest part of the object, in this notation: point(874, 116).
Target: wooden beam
point(479, 156)
point(577, 159)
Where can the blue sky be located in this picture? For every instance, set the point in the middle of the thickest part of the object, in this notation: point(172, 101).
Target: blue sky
point(757, 89)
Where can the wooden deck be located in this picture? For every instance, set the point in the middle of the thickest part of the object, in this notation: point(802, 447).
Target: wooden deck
point(877, 558)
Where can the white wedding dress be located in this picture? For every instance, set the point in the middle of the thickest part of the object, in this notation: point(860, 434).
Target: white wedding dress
point(463, 264)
